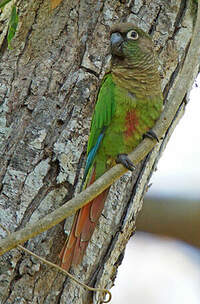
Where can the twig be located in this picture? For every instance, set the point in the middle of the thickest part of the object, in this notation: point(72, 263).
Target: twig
point(103, 290)
point(179, 91)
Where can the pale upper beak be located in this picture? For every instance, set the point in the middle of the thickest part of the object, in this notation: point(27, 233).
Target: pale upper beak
point(116, 41)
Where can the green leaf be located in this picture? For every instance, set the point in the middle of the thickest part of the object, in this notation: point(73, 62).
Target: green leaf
point(3, 3)
point(12, 25)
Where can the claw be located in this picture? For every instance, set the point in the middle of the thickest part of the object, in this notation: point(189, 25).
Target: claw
point(125, 161)
point(151, 134)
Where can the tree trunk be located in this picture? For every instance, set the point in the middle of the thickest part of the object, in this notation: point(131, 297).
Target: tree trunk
point(48, 85)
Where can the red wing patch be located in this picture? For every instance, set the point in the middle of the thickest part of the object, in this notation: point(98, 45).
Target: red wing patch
point(131, 121)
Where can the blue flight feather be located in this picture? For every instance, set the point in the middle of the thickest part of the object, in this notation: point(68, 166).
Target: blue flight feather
point(91, 156)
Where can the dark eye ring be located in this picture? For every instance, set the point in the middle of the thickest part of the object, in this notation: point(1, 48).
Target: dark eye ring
point(132, 35)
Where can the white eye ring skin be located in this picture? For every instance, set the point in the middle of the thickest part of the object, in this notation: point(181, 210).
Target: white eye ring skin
point(132, 35)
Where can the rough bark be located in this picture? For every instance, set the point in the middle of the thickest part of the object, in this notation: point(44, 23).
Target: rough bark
point(48, 85)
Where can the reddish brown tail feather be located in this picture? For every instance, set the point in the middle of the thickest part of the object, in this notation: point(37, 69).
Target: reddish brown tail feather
point(82, 229)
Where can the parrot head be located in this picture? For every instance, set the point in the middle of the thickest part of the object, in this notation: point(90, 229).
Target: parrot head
point(128, 41)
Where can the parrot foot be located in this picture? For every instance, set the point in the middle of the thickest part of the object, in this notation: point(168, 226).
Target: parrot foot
point(151, 135)
point(125, 161)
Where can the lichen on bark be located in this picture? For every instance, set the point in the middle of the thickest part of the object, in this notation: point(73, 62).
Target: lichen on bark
point(48, 86)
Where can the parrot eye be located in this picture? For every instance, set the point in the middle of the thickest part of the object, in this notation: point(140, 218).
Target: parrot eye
point(132, 35)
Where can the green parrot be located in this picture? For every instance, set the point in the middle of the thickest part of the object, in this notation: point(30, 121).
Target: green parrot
point(128, 104)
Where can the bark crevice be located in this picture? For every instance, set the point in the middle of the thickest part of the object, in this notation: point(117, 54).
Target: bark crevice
point(49, 82)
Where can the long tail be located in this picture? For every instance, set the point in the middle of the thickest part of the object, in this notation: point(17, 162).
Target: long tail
point(82, 229)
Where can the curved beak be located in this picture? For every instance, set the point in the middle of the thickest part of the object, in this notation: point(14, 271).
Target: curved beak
point(116, 41)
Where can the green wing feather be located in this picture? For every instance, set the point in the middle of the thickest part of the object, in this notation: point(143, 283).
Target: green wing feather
point(103, 113)
point(104, 110)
